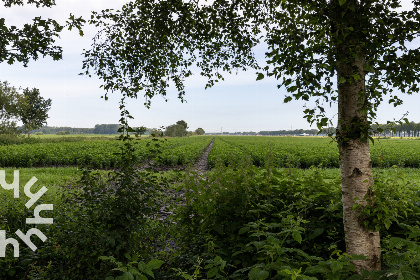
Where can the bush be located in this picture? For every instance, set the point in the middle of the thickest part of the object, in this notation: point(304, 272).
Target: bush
point(270, 224)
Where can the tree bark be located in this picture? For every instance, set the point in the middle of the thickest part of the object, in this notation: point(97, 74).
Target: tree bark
point(352, 130)
point(355, 162)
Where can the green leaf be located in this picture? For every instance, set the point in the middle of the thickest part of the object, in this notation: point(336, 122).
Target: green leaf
point(336, 266)
point(126, 276)
point(142, 266)
point(342, 80)
point(257, 273)
point(296, 236)
point(342, 2)
point(260, 76)
point(396, 242)
point(287, 99)
point(142, 277)
point(243, 230)
point(155, 264)
point(212, 272)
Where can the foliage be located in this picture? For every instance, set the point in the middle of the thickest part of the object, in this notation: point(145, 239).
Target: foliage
point(396, 200)
point(134, 269)
point(344, 51)
point(106, 128)
point(35, 39)
point(179, 37)
point(266, 224)
point(200, 131)
point(141, 130)
point(177, 130)
point(8, 108)
point(238, 223)
point(33, 110)
point(284, 152)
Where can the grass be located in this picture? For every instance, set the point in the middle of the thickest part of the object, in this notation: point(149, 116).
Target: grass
point(52, 178)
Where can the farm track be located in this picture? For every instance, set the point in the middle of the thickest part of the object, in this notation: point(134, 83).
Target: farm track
point(176, 199)
point(202, 165)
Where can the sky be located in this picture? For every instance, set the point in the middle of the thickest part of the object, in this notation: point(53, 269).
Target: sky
point(240, 103)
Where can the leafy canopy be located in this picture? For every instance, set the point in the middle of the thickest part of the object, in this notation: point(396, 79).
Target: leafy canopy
point(33, 39)
point(146, 46)
point(8, 108)
point(33, 109)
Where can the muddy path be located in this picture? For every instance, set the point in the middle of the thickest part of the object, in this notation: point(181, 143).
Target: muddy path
point(177, 198)
point(202, 165)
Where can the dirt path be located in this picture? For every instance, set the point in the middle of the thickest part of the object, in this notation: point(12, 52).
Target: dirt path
point(176, 199)
point(202, 165)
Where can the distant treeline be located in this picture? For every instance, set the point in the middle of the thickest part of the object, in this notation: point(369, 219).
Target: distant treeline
point(98, 129)
point(411, 129)
point(290, 132)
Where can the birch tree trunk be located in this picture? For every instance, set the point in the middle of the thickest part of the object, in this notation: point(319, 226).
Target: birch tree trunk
point(355, 163)
point(352, 131)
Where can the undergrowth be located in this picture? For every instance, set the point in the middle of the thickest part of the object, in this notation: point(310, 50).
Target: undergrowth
point(233, 223)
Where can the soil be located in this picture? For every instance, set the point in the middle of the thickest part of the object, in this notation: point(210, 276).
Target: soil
point(202, 165)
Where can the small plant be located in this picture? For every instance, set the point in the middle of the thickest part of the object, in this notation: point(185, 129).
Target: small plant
point(134, 270)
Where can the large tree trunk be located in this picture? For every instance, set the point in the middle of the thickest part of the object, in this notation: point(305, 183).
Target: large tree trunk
point(352, 131)
point(355, 162)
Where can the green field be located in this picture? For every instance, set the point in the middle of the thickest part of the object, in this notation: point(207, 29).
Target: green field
point(269, 206)
point(101, 153)
point(304, 152)
point(299, 152)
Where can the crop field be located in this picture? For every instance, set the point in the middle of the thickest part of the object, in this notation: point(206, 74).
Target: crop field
point(100, 154)
point(304, 152)
point(298, 152)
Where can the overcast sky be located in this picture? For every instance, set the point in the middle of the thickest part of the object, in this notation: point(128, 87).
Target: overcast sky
point(240, 103)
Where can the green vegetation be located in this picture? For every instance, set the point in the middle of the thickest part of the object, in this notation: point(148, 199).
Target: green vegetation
point(8, 108)
point(100, 154)
point(28, 107)
point(304, 152)
point(299, 152)
point(237, 223)
point(348, 52)
point(177, 130)
point(33, 110)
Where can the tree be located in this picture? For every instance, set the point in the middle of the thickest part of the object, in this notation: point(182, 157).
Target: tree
point(140, 130)
point(8, 112)
point(200, 131)
point(33, 110)
point(106, 128)
point(34, 39)
point(351, 52)
point(183, 124)
point(177, 130)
